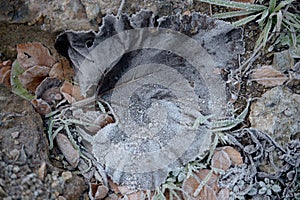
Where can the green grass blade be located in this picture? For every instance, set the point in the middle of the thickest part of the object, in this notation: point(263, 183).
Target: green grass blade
point(16, 84)
point(289, 22)
point(279, 21)
point(282, 4)
point(263, 17)
point(292, 21)
point(232, 14)
point(246, 20)
point(259, 40)
point(232, 4)
point(267, 31)
point(272, 5)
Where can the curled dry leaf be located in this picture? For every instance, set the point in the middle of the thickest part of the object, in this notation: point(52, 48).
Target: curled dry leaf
point(34, 54)
point(132, 194)
point(268, 76)
point(71, 92)
point(136, 195)
point(5, 71)
point(71, 154)
point(221, 160)
point(234, 155)
point(41, 106)
point(113, 186)
point(101, 120)
point(49, 90)
point(33, 77)
point(191, 184)
point(224, 157)
point(97, 191)
point(62, 70)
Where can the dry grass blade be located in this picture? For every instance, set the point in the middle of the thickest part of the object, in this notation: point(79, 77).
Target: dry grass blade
point(268, 76)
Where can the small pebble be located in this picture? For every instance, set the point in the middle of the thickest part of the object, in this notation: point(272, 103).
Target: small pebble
point(66, 175)
point(61, 198)
point(16, 169)
point(14, 153)
point(54, 184)
point(15, 135)
point(42, 171)
point(13, 176)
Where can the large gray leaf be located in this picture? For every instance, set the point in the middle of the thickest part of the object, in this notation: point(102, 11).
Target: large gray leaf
point(157, 82)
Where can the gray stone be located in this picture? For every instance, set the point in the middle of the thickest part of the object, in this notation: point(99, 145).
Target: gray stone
point(277, 113)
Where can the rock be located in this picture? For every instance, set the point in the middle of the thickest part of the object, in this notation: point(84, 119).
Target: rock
point(15, 134)
point(42, 171)
point(283, 61)
point(66, 175)
point(52, 15)
point(277, 113)
point(23, 166)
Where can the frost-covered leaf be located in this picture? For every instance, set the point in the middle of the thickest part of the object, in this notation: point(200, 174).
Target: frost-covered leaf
point(17, 86)
point(268, 76)
point(34, 54)
point(204, 177)
point(234, 155)
point(276, 188)
point(221, 160)
point(253, 191)
point(153, 89)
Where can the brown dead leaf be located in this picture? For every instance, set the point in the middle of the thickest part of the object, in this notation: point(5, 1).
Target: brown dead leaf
point(5, 72)
point(268, 76)
point(221, 160)
point(207, 193)
point(191, 184)
point(41, 106)
point(5, 75)
point(131, 194)
point(33, 54)
point(62, 70)
point(97, 191)
point(113, 186)
point(33, 76)
point(71, 92)
point(49, 90)
point(66, 147)
point(101, 121)
point(234, 155)
point(138, 195)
